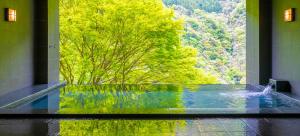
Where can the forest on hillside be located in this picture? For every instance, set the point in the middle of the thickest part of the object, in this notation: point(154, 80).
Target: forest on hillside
point(217, 29)
point(152, 41)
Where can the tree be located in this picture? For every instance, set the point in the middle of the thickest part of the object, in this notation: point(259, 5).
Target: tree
point(124, 41)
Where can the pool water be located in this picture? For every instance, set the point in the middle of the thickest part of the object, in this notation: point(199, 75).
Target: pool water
point(162, 99)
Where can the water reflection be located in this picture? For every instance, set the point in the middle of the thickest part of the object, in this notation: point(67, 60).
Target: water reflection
point(199, 127)
point(123, 127)
point(153, 127)
point(121, 99)
point(150, 99)
point(158, 99)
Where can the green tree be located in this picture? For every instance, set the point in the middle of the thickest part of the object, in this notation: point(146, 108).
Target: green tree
point(124, 41)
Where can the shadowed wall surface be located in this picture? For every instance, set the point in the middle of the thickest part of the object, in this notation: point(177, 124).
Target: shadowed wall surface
point(259, 41)
point(16, 46)
point(29, 47)
point(286, 44)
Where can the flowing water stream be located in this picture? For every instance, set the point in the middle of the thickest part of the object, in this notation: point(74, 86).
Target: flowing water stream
point(268, 89)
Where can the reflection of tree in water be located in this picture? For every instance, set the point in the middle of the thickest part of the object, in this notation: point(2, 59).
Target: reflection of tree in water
point(121, 99)
point(122, 127)
point(153, 127)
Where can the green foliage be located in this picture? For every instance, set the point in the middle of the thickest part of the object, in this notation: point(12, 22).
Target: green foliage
point(125, 41)
point(206, 5)
point(210, 5)
point(235, 75)
point(218, 36)
point(143, 41)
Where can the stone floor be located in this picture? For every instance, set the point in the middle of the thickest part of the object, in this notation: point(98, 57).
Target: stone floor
point(197, 127)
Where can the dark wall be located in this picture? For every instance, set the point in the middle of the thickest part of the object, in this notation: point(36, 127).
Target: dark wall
point(259, 41)
point(29, 47)
point(265, 41)
point(46, 41)
point(286, 44)
point(16, 46)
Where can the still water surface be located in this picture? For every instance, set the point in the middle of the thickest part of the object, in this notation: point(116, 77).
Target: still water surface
point(162, 99)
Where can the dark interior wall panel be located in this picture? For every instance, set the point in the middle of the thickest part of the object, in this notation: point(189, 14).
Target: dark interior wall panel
point(259, 41)
point(286, 44)
point(265, 41)
point(29, 47)
point(41, 41)
point(46, 41)
point(16, 46)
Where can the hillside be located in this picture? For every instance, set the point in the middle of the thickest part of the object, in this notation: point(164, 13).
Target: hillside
point(216, 28)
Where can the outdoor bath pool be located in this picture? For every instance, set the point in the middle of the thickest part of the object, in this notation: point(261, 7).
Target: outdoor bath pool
point(158, 99)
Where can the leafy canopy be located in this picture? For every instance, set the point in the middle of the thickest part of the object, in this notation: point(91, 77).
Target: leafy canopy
point(125, 41)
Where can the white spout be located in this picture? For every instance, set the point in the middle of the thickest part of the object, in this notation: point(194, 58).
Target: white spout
point(267, 90)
